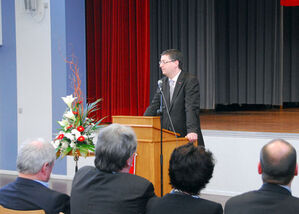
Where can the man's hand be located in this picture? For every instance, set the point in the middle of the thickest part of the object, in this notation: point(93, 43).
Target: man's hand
point(192, 136)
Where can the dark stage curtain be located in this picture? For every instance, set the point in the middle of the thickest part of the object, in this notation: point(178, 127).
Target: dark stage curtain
point(118, 55)
point(187, 25)
point(242, 51)
point(249, 52)
point(291, 54)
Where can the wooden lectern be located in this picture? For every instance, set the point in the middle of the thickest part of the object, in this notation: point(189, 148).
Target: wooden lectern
point(147, 130)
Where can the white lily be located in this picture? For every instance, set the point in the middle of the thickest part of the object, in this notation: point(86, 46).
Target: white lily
point(63, 123)
point(70, 136)
point(72, 144)
point(56, 143)
point(70, 115)
point(76, 133)
point(69, 100)
point(64, 145)
point(52, 143)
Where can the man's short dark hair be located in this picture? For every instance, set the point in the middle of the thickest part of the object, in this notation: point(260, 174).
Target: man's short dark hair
point(174, 54)
point(279, 171)
point(190, 168)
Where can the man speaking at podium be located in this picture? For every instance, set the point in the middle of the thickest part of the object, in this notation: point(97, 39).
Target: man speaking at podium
point(180, 95)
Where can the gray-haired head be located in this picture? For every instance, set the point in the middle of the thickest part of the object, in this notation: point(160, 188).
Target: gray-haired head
point(32, 155)
point(115, 144)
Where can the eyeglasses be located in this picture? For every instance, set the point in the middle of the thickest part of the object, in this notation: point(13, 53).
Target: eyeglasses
point(165, 62)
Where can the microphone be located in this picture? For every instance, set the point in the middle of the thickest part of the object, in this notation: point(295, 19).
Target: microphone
point(160, 84)
point(160, 110)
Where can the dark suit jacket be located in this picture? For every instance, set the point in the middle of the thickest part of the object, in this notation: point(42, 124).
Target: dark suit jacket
point(270, 199)
point(184, 107)
point(26, 194)
point(95, 191)
point(179, 203)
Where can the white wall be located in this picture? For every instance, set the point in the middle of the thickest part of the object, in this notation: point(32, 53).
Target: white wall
point(237, 157)
point(33, 52)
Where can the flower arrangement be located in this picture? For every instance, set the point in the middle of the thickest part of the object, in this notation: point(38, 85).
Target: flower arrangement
point(77, 130)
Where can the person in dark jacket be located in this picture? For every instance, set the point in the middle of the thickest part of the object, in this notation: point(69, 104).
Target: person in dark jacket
point(190, 169)
point(30, 190)
point(278, 167)
point(108, 188)
point(181, 98)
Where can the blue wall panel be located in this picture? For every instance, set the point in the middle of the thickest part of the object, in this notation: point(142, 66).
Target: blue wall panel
point(68, 37)
point(8, 89)
point(59, 76)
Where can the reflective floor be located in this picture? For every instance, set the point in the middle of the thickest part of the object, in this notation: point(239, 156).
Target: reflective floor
point(271, 120)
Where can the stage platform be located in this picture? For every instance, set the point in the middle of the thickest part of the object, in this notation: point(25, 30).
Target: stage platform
point(272, 120)
point(236, 138)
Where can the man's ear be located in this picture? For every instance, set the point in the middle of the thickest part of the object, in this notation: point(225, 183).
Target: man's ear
point(296, 170)
point(259, 168)
point(130, 160)
point(44, 167)
point(47, 167)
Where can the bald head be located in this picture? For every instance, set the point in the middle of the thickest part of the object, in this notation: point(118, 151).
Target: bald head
point(278, 162)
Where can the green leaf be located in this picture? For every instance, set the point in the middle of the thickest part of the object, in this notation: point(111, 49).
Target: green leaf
point(83, 151)
point(91, 147)
point(87, 147)
point(65, 152)
point(98, 127)
point(90, 142)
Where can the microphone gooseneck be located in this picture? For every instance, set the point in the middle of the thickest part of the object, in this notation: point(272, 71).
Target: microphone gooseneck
point(160, 110)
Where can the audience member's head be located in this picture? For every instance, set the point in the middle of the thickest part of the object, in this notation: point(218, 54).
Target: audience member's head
point(36, 160)
point(115, 148)
point(190, 168)
point(278, 162)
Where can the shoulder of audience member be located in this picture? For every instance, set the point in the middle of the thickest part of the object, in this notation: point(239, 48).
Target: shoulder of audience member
point(85, 169)
point(56, 195)
point(136, 178)
point(139, 183)
point(59, 201)
point(217, 207)
point(242, 197)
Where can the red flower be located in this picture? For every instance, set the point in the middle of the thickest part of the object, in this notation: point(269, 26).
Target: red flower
point(60, 136)
point(75, 113)
point(81, 139)
point(80, 128)
point(70, 126)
